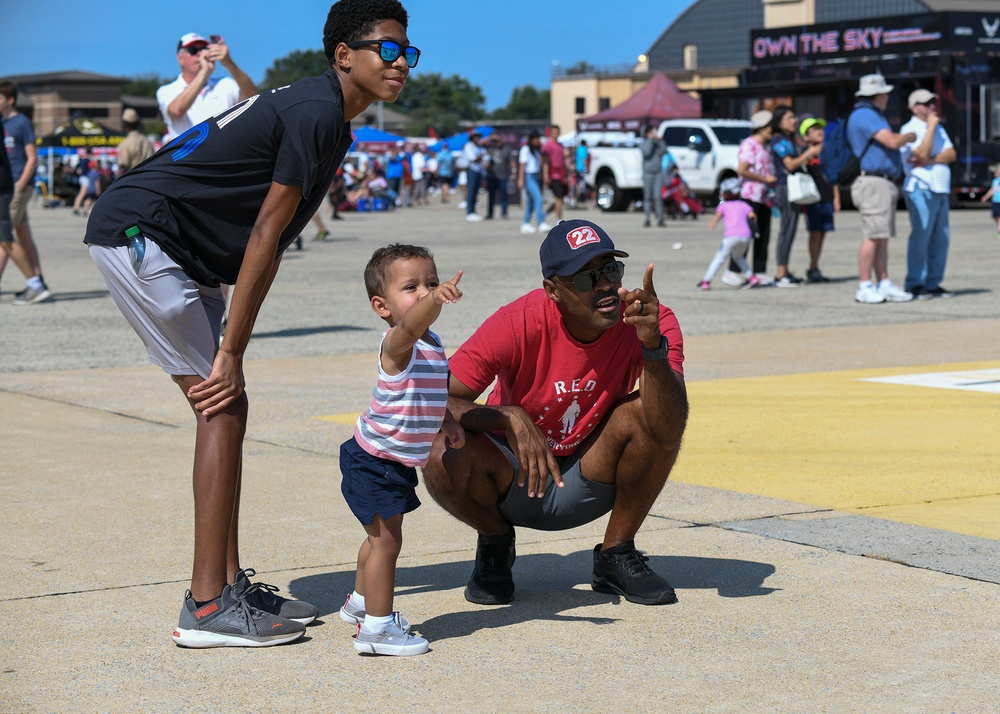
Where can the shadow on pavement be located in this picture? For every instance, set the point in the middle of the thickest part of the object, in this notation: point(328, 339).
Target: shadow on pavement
point(303, 331)
point(547, 585)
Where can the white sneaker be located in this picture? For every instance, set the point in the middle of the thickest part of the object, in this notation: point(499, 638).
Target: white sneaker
point(527, 228)
point(764, 279)
point(390, 641)
point(869, 295)
point(733, 279)
point(891, 293)
point(544, 227)
point(474, 217)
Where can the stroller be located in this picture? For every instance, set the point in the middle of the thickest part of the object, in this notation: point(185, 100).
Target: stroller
point(678, 200)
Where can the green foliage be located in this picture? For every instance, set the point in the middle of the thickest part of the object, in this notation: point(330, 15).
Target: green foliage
point(526, 102)
point(293, 67)
point(581, 67)
point(433, 100)
point(144, 85)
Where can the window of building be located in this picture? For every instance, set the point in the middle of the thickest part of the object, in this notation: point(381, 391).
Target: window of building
point(603, 103)
point(581, 105)
point(690, 56)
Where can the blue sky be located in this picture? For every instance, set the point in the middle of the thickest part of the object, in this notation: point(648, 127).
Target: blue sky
point(495, 45)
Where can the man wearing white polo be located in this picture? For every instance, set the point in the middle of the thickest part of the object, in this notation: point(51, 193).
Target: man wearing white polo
point(927, 190)
point(195, 96)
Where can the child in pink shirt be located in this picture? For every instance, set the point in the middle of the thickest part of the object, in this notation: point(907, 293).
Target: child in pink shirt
point(736, 216)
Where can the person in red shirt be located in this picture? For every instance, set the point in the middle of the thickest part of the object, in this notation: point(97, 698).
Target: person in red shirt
point(564, 438)
point(554, 171)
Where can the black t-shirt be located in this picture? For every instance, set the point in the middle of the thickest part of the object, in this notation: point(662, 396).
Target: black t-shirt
point(815, 169)
point(199, 196)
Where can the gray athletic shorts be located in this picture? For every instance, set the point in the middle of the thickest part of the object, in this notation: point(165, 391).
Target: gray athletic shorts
point(177, 318)
point(579, 501)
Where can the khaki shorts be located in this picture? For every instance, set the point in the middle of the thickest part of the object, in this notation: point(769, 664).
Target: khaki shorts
point(875, 198)
point(19, 204)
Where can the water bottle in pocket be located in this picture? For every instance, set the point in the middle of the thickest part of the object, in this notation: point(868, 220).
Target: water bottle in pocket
point(136, 247)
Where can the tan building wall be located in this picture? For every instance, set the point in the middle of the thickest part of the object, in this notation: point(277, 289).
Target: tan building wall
point(783, 13)
point(565, 91)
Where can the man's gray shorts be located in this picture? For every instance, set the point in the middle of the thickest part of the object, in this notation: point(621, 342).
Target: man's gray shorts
point(178, 319)
point(579, 501)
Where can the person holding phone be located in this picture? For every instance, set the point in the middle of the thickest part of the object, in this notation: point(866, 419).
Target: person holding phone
point(195, 95)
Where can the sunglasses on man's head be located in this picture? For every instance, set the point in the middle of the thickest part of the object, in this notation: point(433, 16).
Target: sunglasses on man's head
point(586, 280)
point(389, 51)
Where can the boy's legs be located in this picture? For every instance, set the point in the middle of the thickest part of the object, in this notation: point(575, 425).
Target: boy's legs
point(377, 566)
point(216, 482)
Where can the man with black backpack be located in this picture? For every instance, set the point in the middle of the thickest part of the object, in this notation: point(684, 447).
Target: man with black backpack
point(875, 191)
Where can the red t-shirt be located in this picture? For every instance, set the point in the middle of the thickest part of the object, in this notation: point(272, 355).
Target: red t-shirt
point(569, 387)
point(555, 155)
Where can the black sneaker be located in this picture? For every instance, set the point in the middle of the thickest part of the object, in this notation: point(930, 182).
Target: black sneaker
point(919, 293)
point(230, 621)
point(622, 570)
point(492, 582)
point(813, 275)
point(940, 292)
point(262, 597)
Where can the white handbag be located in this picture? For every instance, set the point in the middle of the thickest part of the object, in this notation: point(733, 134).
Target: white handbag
point(802, 189)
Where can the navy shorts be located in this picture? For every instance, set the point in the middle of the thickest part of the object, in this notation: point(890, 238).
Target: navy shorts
point(996, 209)
point(819, 216)
point(373, 485)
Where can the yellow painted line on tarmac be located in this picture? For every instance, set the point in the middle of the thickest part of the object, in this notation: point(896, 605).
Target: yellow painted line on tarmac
point(905, 452)
point(350, 419)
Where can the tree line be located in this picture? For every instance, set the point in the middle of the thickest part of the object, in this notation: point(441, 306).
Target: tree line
point(431, 100)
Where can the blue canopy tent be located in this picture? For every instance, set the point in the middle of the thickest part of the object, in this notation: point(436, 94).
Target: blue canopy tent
point(372, 139)
point(456, 142)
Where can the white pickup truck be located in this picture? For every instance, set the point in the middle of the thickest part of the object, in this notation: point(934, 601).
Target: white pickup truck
point(704, 149)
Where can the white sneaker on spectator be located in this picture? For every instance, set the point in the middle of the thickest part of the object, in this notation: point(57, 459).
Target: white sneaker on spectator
point(544, 227)
point(893, 293)
point(764, 279)
point(474, 217)
point(732, 279)
point(869, 295)
point(527, 228)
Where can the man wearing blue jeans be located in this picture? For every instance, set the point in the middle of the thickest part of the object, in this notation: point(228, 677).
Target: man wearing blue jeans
point(926, 191)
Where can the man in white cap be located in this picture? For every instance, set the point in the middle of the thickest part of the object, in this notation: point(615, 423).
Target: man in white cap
point(195, 96)
point(927, 190)
point(874, 192)
point(136, 147)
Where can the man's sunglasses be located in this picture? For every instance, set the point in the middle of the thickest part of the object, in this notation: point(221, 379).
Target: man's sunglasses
point(389, 51)
point(587, 280)
point(195, 50)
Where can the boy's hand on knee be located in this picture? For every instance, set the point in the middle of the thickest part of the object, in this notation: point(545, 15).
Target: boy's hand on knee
point(222, 387)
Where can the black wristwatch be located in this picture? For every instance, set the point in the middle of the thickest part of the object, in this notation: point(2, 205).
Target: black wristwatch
point(658, 353)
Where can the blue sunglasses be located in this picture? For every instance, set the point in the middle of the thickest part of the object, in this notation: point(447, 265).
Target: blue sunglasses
point(389, 51)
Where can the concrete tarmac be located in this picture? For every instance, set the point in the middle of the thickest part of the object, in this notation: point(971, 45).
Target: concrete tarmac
point(830, 526)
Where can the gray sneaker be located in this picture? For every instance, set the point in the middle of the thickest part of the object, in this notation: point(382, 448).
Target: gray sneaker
point(29, 296)
point(390, 641)
point(229, 621)
point(355, 615)
point(262, 597)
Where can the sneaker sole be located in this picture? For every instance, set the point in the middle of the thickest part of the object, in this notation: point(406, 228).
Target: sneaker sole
point(896, 299)
point(393, 650)
point(604, 586)
point(198, 639)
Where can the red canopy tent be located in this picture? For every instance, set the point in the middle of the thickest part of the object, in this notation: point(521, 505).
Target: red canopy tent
point(660, 99)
